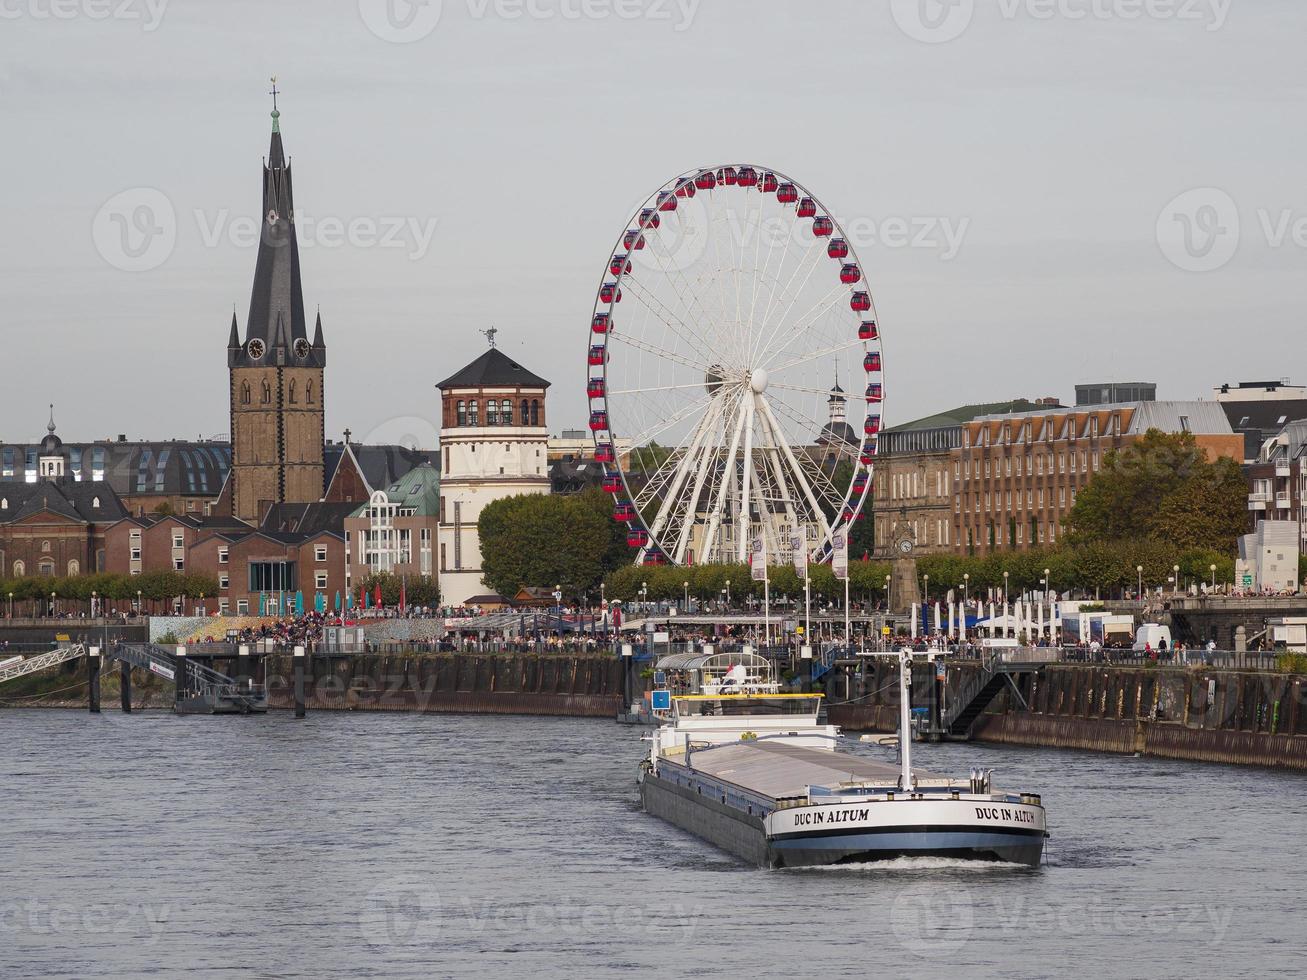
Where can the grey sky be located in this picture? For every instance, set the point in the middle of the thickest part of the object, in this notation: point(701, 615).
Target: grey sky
point(1055, 141)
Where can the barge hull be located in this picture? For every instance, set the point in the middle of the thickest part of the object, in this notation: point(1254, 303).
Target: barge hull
point(726, 827)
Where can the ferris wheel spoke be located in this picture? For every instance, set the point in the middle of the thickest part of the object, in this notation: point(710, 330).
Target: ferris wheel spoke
point(815, 470)
point(812, 260)
point(719, 274)
point(706, 458)
point(812, 356)
point(823, 392)
point(693, 338)
point(727, 478)
point(689, 303)
point(683, 469)
point(665, 424)
point(639, 391)
point(799, 327)
point(774, 459)
point(648, 348)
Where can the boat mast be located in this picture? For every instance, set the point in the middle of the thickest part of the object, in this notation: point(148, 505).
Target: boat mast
point(905, 718)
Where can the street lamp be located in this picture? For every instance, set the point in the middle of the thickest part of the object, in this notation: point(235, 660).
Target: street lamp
point(966, 587)
point(1176, 570)
point(1139, 570)
point(728, 593)
point(1047, 575)
point(138, 602)
point(1211, 585)
point(686, 586)
point(93, 603)
point(1005, 592)
point(926, 597)
point(52, 597)
point(11, 605)
point(644, 593)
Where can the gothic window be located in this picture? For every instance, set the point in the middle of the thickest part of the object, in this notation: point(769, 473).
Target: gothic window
point(45, 547)
point(293, 393)
point(19, 569)
point(535, 412)
point(526, 412)
point(4, 503)
point(308, 392)
point(460, 415)
point(267, 392)
point(74, 568)
point(95, 503)
point(506, 411)
point(245, 392)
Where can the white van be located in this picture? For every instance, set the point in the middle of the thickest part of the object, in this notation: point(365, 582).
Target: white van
point(1153, 635)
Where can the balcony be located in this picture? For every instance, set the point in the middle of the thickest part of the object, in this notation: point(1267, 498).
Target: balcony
point(1282, 500)
point(1258, 499)
point(1282, 470)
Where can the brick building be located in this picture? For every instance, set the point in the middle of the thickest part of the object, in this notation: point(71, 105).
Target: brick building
point(914, 478)
point(1277, 480)
point(396, 530)
point(56, 524)
point(1016, 475)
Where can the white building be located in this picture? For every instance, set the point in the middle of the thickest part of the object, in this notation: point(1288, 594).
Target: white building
point(494, 443)
point(1268, 558)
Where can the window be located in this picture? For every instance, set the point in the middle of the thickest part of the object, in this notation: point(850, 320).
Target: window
point(294, 391)
point(320, 553)
point(4, 503)
point(320, 581)
point(460, 418)
point(308, 392)
point(178, 539)
point(178, 564)
point(473, 408)
point(224, 581)
point(74, 568)
point(526, 412)
point(19, 569)
point(95, 503)
point(506, 412)
point(46, 569)
point(1093, 427)
point(492, 412)
point(266, 397)
point(535, 411)
point(245, 392)
point(242, 607)
point(1007, 466)
point(222, 556)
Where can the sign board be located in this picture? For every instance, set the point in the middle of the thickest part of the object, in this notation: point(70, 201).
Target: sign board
point(1247, 580)
point(886, 631)
point(758, 559)
point(805, 652)
point(661, 700)
point(799, 551)
point(839, 561)
point(162, 671)
point(661, 637)
point(627, 651)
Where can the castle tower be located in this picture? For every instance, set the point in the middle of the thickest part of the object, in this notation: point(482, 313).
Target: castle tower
point(494, 442)
point(277, 419)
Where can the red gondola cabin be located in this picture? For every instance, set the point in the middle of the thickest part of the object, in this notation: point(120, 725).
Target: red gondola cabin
point(633, 239)
point(686, 190)
point(598, 421)
point(823, 226)
point(619, 265)
point(871, 362)
point(727, 176)
point(787, 193)
point(807, 208)
point(594, 388)
point(872, 425)
point(604, 453)
point(637, 539)
point(600, 323)
point(867, 330)
point(649, 218)
point(860, 302)
point(748, 177)
point(624, 512)
point(770, 183)
point(706, 181)
point(612, 484)
point(838, 248)
point(598, 356)
point(849, 274)
point(875, 393)
point(609, 293)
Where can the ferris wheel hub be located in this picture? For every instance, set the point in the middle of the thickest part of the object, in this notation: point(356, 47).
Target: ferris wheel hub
point(758, 380)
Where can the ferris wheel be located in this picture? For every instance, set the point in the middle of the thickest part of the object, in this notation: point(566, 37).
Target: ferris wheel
point(730, 317)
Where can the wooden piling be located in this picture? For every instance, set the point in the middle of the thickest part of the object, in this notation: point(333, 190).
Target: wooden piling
point(93, 679)
point(125, 686)
point(299, 681)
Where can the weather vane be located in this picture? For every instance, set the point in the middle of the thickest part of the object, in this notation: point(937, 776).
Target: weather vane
point(273, 93)
point(490, 335)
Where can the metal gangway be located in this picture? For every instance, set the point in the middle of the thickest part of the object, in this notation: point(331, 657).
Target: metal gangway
point(200, 689)
point(16, 667)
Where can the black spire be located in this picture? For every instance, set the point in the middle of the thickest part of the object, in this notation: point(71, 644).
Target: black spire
point(234, 341)
point(277, 295)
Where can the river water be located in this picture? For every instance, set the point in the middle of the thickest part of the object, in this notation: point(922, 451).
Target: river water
point(380, 845)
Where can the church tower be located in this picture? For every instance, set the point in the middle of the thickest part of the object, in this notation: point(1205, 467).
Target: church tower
point(277, 421)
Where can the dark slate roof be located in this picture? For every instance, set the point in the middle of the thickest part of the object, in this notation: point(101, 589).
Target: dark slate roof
point(840, 432)
point(967, 413)
point(382, 466)
point(277, 299)
point(574, 475)
point(494, 368)
point(306, 519)
point(172, 468)
point(67, 498)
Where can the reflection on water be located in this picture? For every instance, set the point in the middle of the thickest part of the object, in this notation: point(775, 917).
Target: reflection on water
point(366, 845)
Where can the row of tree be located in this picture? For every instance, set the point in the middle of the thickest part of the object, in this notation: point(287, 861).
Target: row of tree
point(152, 585)
point(416, 591)
point(1101, 567)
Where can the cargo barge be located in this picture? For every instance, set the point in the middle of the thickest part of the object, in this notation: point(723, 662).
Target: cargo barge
point(755, 772)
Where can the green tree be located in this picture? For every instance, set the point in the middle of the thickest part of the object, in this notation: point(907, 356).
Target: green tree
point(1162, 488)
point(543, 540)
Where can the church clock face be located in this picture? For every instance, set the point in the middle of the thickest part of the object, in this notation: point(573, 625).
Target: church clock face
point(255, 348)
point(905, 546)
point(302, 348)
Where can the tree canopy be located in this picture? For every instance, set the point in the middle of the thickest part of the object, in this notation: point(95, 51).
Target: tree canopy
point(1162, 488)
point(543, 540)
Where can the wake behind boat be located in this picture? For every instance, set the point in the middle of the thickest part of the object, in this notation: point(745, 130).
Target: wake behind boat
point(755, 772)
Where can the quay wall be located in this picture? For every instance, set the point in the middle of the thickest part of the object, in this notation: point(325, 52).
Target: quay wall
point(1197, 714)
point(518, 684)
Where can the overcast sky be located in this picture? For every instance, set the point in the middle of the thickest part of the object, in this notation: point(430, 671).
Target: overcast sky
point(1040, 148)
